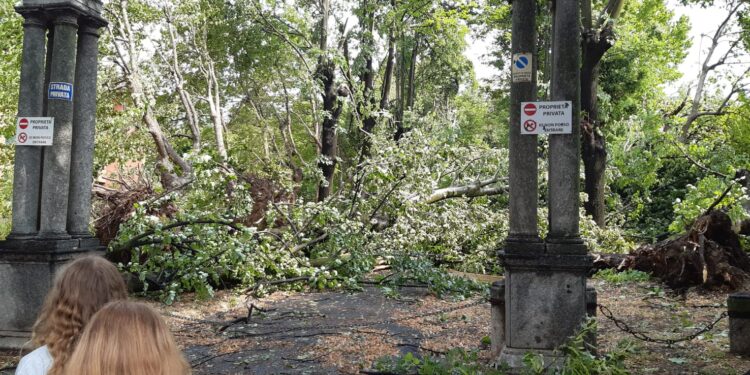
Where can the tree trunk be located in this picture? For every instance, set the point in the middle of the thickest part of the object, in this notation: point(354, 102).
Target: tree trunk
point(326, 73)
point(593, 145)
point(399, 115)
point(406, 98)
point(597, 40)
point(412, 72)
point(128, 61)
point(187, 101)
point(367, 106)
point(332, 108)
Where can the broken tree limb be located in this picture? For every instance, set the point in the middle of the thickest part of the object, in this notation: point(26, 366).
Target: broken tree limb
point(477, 189)
point(141, 239)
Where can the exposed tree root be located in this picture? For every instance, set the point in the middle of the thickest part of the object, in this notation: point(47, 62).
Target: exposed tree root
point(709, 254)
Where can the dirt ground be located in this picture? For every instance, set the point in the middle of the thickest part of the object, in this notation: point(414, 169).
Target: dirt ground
point(343, 333)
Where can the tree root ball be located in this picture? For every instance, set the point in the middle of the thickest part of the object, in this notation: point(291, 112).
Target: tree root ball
point(708, 255)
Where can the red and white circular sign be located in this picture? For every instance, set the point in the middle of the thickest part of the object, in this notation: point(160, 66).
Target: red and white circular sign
point(529, 125)
point(23, 123)
point(529, 109)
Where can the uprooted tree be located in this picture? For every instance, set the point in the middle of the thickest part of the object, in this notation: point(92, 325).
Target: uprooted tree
point(709, 254)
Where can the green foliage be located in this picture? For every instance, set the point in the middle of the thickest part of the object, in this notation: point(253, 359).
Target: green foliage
point(628, 276)
point(650, 44)
point(578, 360)
point(455, 361)
point(410, 270)
point(700, 197)
point(610, 239)
point(388, 220)
point(11, 33)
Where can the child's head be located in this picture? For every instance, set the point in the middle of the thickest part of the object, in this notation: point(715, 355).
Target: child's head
point(127, 338)
point(82, 288)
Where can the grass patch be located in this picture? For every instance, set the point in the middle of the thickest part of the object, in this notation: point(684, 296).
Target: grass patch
point(628, 276)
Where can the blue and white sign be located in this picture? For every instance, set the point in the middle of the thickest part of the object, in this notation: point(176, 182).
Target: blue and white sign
point(60, 91)
point(521, 67)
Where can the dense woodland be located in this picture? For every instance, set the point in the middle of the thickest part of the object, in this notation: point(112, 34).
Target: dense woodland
point(307, 142)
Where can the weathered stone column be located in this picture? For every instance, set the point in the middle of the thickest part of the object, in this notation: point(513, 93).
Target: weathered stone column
point(28, 264)
point(545, 292)
point(56, 174)
point(523, 236)
point(738, 306)
point(28, 160)
point(497, 316)
point(565, 149)
point(84, 123)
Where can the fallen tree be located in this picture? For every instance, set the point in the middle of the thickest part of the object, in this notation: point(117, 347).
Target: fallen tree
point(709, 254)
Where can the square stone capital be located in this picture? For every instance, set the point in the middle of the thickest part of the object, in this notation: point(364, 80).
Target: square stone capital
point(88, 9)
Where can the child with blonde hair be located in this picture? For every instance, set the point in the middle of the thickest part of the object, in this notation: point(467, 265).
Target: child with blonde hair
point(127, 338)
point(80, 289)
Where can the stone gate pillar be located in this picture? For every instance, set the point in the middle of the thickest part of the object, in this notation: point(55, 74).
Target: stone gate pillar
point(545, 282)
point(52, 184)
point(28, 160)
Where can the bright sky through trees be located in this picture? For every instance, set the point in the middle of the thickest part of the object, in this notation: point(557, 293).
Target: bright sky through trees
point(703, 22)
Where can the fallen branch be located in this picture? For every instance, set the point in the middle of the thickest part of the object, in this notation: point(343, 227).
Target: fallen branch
point(438, 352)
point(720, 198)
point(276, 282)
point(140, 239)
point(477, 189)
point(310, 243)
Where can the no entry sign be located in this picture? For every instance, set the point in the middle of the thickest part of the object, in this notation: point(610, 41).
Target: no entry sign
point(529, 109)
point(34, 131)
point(546, 117)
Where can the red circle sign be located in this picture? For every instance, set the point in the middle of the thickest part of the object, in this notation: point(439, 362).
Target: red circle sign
point(529, 125)
point(23, 123)
point(529, 109)
point(22, 138)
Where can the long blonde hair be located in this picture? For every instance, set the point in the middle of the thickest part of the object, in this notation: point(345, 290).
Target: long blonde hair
point(82, 288)
point(127, 338)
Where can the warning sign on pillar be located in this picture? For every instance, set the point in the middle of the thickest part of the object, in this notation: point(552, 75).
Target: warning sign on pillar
point(35, 131)
point(546, 117)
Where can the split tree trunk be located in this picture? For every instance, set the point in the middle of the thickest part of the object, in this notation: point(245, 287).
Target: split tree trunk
point(593, 145)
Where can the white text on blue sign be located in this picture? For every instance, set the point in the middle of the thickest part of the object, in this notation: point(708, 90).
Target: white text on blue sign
point(60, 91)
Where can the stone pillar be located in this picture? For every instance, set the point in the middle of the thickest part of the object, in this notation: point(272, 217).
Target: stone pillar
point(592, 303)
point(28, 160)
point(56, 174)
point(40, 243)
point(738, 306)
point(523, 236)
point(497, 317)
point(545, 292)
point(84, 121)
point(565, 149)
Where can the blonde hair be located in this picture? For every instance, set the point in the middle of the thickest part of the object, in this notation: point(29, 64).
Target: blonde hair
point(127, 338)
point(82, 288)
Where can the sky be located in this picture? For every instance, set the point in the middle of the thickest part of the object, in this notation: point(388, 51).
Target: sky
point(703, 21)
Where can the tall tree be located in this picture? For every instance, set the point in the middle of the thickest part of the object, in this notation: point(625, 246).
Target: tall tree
point(598, 38)
point(332, 105)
